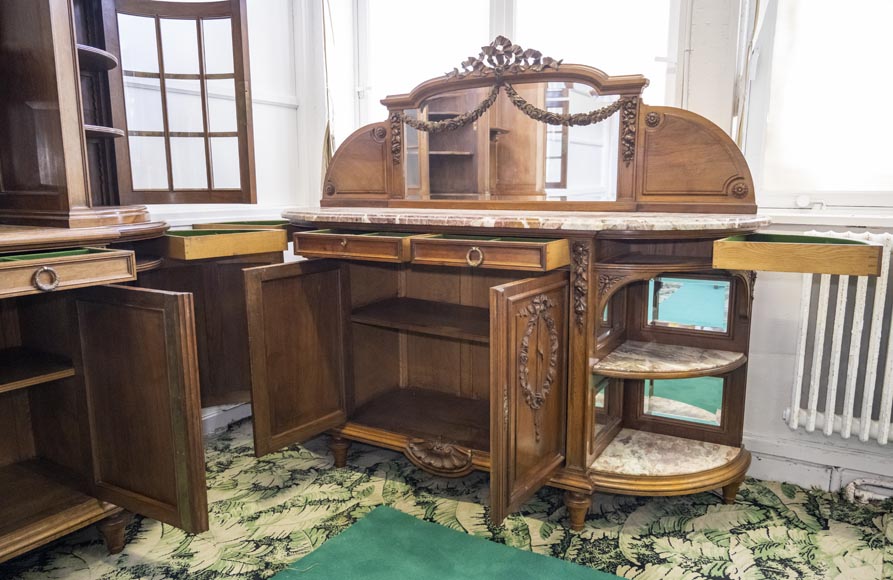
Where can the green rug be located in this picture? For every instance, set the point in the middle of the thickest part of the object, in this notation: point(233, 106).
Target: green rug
point(388, 544)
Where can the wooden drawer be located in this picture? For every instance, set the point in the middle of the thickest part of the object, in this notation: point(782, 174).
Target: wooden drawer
point(796, 253)
point(246, 225)
point(358, 245)
point(530, 254)
point(39, 272)
point(205, 244)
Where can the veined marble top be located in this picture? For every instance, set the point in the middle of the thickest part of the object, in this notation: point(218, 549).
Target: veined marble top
point(639, 453)
point(634, 359)
point(537, 220)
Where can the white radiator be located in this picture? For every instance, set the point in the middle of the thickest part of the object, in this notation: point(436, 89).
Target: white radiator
point(844, 366)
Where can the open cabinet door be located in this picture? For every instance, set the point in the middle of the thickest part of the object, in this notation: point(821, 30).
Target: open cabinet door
point(141, 374)
point(528, 388)
point(299, 340)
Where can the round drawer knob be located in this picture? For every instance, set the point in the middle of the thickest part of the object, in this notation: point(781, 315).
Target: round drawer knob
point(344, 242)
point(474, 257)
point(46, 279)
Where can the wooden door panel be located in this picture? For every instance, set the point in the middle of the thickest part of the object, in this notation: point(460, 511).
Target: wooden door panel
point(299, 339)
point(528, 388)
point(140, 369)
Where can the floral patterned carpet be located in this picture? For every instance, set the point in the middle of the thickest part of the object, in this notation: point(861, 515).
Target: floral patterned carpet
point(268, 512)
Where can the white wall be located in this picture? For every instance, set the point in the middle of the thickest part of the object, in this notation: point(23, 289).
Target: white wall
point(287, 81)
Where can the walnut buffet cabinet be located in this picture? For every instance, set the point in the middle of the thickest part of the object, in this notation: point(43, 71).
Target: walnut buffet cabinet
point(486, 287)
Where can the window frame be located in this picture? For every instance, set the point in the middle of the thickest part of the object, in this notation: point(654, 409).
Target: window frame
point(236, 11)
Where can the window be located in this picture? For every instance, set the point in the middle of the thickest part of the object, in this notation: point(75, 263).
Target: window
point(185, 103)
point(823, 139)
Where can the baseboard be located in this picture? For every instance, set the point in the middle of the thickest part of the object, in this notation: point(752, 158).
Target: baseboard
point(816, 464)
point(216, 419)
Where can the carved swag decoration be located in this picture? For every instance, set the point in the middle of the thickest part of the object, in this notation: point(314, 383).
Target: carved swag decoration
point(538, 311)
point(498, 58)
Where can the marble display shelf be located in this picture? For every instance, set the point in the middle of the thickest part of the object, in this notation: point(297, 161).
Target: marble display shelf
point(638, 453)
point(652, 360)
point(535, 220)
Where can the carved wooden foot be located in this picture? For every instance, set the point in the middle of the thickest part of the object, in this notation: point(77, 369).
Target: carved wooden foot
point(112, 529)
point(730, 492)
point(339, 446)
point(577, 505)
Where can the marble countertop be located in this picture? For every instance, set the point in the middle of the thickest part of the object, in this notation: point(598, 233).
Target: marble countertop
point(536, 220)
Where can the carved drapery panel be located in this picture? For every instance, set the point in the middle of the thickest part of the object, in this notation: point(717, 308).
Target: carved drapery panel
point(536, 388)
point(439, 457)
point(580, 254)
point(396, 138)
point(628, 130)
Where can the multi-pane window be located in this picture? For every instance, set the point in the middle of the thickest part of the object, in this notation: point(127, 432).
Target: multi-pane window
point(185, 102)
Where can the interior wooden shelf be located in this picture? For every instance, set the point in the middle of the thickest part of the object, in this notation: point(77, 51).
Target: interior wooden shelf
point(147, 263)
point(657, 262)
point(642, 454)
point(429, 415)
point(100, 132)
point(499, 130)
point(91, 58)
point(37, 508)
point(441, 115)
point(652, 360)
point(22, 367)
point(451, 153)
point(428, 317)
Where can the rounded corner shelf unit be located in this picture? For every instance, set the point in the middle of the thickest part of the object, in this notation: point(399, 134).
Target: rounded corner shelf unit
point(652, 360)
point(100, 132)
point(656, 264)
point(91, 58)
point(642, 463)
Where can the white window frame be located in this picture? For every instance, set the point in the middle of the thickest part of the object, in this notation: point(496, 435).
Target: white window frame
point(705, 60)
point(845, 208)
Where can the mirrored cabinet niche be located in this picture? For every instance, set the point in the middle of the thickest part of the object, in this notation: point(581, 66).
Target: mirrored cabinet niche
point(152, 116)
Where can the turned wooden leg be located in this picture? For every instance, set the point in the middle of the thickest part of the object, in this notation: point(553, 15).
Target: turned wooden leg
point(339, 446)
point(730, 491)
point(577, 505)
point(112, 529)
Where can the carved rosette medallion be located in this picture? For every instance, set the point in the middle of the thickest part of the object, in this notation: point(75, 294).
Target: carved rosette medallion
point(740, 190)
point(652, 119)
point(439, 457)
point(538, 312)
point(396, 138)
point(628, 130)
point(330, 188)
point(379, 133)
point(580, 254)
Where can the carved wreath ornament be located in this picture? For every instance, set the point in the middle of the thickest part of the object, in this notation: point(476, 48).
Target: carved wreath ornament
point(538, 311)
point(503, 56)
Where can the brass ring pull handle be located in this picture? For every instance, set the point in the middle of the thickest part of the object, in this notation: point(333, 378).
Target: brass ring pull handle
point(46, 286)
point(477, 260)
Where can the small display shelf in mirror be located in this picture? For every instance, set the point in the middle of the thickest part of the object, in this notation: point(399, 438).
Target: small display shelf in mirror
point(100, 132)
point(694, 400)
point(91, 58)
point(700, 304)
point(506, 155)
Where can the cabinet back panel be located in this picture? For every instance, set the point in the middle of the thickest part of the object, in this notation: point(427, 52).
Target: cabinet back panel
point(376, 355)
point(16, 440)
point(371, 282)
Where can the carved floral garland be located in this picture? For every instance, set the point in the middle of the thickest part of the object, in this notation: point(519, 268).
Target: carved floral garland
point(538, 309)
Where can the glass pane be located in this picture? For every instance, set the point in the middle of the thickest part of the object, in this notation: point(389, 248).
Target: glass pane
point(142, 104)
point(184, 105)
point(179, 41)
point(139, 50)
point(188, 163)
point(225, 162)
point(694, 400)
point(148, 162)
point(693, 303)
point(221, 105)
point(600, 386)
point(218, 38)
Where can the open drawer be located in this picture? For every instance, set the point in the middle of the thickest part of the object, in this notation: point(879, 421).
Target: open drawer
point(797, 253)
point(359, 245)
point(504, 253)
point(205, 244)
point(38, 272)
point(245, 225)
